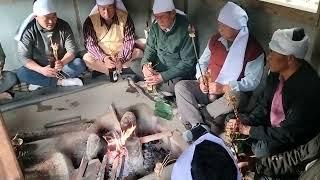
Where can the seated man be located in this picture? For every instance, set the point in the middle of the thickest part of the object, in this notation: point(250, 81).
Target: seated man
point(302, 162)
point(207, 158)
point(169, 55)
point(287, 115)
point(42, 34)
point(109, 37)
point(233, 60)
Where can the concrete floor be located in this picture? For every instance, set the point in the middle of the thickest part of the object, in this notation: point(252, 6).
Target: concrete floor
point(88, 102)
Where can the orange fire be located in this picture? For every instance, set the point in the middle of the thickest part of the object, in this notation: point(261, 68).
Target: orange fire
point(118, 140)
point(117, 151)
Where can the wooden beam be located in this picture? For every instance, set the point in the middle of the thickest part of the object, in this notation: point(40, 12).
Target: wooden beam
point(9, 166)
point(290, 13)
point(155, 137)
point(82, 168)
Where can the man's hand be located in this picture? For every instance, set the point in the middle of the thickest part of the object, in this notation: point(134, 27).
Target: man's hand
point(215, 88)
point(154, 79)
point(246, 163)
point(58, 65)
point(226, 88)
point(147, 70)
point(109, 62)
point(118, 64)
point(204, 88)
point(234, 126)
point(245, 130)
point(48, 71)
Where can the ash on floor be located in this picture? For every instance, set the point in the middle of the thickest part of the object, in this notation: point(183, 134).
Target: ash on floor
point(153, 153)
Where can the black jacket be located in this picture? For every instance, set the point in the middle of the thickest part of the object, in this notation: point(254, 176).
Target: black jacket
point(293, 162)
point(301, 99)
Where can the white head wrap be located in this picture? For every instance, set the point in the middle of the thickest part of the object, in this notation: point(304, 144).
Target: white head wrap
point(104, 2)
point(182, 168)
point(282, 43)
point(43, 7)
point(160, 6)
point(235, 17)
point(119, 5)
point(40, 8)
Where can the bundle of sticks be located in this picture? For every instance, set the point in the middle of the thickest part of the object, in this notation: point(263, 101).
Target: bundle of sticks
point(55, 48)
point(232, 100)
point(231, 136)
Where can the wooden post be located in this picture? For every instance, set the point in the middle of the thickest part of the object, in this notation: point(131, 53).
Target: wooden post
point(9, 166)
point(155, 137)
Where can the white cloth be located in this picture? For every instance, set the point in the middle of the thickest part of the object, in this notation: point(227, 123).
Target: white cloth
point(181, 12)
point(40, 8)
point(104, 2)
point(160, 6)
point(282, 43)
point(182, 168)
point(71, 82)
point(33, 87)
point(252, 74)
point(43, 7)
point(178, 11)
point(119, 5)
point(235, 17)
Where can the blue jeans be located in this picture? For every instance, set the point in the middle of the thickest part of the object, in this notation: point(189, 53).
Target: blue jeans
point(73, 69)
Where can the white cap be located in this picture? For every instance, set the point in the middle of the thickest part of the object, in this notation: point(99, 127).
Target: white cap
point(43, 7)
point(104, 2)
point(233, 16)
point(160, 6)
point(282, 43)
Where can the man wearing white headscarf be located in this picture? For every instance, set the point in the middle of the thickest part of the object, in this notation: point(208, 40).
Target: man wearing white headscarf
point(233, 61)
point(207, 158)
point(109, 37)
point(35, 40)
point(287, 115)
point(169, 56)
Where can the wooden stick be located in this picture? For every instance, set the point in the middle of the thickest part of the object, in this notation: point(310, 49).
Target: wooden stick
point(154, 137)
point(9, 166)
point(131, 82)
point(103, 167)
point(113, 112)
point(51, 132)
point(114, 169)
point(123, 158)
point(70, 120)
point(82, 168)
point(139, 89)
point(115, 117)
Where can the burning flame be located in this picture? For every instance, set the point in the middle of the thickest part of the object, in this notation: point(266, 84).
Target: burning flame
point(126, 134)
point(117, 139)
point(117, 150)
